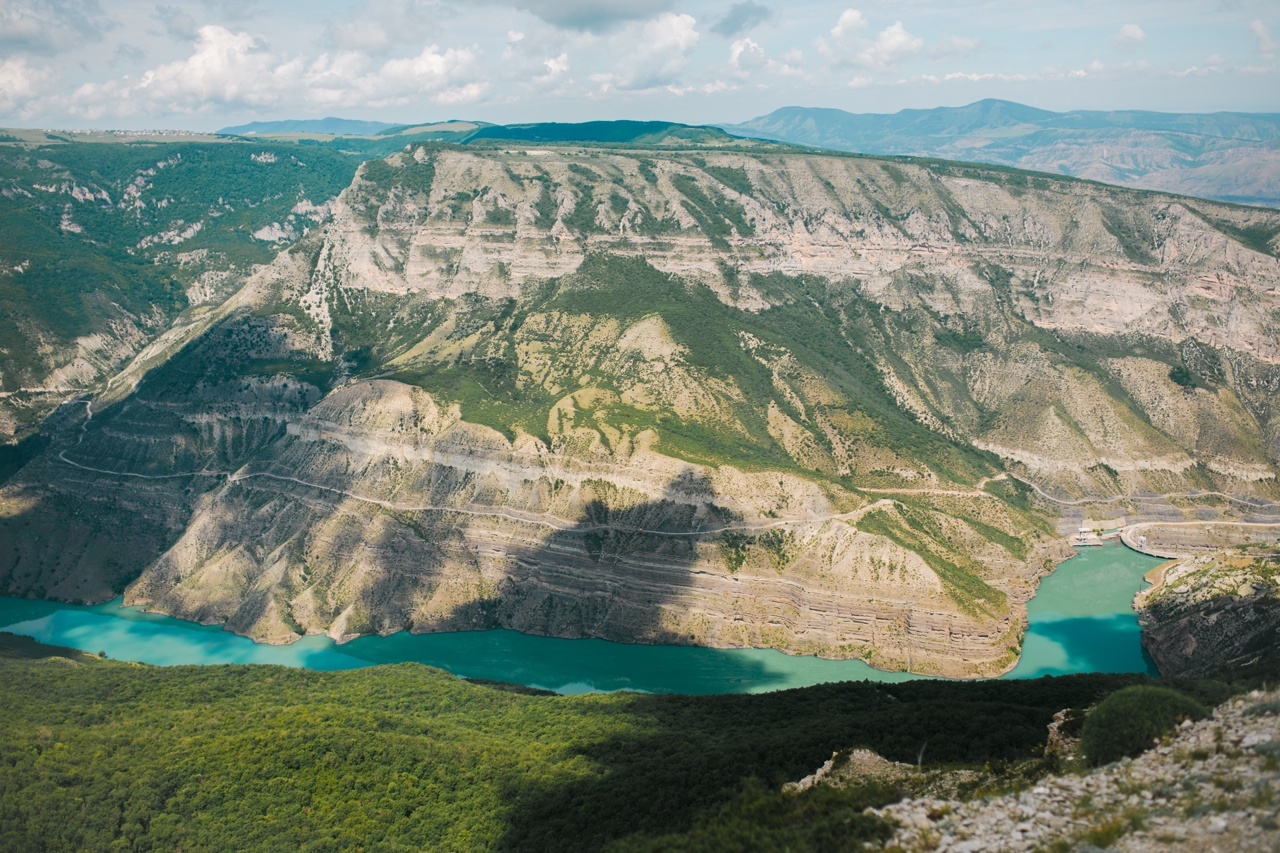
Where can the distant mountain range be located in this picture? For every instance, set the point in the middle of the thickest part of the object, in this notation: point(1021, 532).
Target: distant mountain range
point(331, 126)
point(1224, 156)
point(1231, 157)
point(622, 131)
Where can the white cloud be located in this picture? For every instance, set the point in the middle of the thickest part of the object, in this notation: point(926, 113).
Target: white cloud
point(1130, 37)
point(557, 66)
point(227, 67)
point(1266, 46)
point(465, 94)
point(891, 46)
point(238, 70)
point(557, 71)
point(21, 85)
point(433, 70)
point(1198, 71)
point(847, 46)
point(659, 53)
point(851, 23)
point(746, 56)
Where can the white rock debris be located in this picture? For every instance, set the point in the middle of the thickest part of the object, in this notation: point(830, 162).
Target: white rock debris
point(1215, 786)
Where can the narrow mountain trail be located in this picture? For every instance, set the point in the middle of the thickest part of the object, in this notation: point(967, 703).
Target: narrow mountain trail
point(975, 492)
point(84, 429)
point(1130, 535)
point(1254, 504)
point(565, 525)
point(551, 522)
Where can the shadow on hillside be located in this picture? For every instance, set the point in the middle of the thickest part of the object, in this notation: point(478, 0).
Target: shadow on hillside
point(611, 574)
point(671, 761)
point(622, 573)
point(24, 648)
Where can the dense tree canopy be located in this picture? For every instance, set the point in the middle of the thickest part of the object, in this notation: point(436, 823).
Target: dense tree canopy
point(99, 754)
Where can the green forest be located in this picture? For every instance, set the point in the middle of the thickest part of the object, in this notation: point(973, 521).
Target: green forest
point(105, 755)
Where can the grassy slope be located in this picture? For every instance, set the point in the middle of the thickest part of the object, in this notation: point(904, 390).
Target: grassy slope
point(75, 283)
point(96, 753)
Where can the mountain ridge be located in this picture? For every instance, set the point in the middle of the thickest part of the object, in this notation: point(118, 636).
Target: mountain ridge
point(1226, 156)
point(327, 125)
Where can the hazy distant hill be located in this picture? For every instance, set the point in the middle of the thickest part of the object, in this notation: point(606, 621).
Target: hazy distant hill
point(1226, 156)
point(378, 140)
point(625, 132)
point(335, 126)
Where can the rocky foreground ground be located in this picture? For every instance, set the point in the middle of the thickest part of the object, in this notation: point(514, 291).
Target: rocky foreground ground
point(1211, 786)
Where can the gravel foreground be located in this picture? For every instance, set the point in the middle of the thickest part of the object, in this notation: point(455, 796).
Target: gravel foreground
point(1213, 786)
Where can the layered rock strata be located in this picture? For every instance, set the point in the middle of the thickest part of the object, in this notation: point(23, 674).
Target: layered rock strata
point(1215, 615)
point(742, 399)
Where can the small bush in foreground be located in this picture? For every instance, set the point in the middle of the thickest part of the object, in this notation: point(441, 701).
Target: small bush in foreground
point(1127, 721)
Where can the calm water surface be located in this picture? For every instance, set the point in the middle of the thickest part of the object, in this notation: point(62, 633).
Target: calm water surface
point(1082, 617)
point(1080, 621)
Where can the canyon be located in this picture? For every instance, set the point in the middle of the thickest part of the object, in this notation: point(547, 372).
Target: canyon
point(725, 394)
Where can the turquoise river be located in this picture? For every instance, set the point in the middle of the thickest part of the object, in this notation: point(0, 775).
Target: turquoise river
point(1080, 620)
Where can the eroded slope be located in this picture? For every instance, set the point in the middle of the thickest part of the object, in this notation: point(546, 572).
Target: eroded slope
point(727, 398)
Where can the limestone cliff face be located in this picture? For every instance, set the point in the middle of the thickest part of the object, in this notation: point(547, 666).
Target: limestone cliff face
point(105, 245)
point(968, 254)
point(702, 396)
point(1216, 615)
point(382, 511)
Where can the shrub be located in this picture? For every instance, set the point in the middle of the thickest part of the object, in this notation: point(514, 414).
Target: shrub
point(1182, 376)
point(1127, 721)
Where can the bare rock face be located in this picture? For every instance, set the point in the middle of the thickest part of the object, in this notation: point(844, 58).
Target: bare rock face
point(737, 399)
point(1216, 616)
point(382, 511)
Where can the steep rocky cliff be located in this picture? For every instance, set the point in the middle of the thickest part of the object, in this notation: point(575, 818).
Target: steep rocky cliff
point(103, 245)
point(1216, 615)
point(725, 397)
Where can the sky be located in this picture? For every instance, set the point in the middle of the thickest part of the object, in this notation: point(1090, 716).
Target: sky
point(205, 64)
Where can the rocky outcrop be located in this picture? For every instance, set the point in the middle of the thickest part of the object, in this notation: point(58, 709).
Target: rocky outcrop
point(1210, 787)
point(1216, 616)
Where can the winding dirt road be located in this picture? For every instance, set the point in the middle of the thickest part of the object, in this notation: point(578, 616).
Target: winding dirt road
point(1127, 534)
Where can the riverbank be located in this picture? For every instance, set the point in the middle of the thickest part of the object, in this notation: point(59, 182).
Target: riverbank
point(1087, 597)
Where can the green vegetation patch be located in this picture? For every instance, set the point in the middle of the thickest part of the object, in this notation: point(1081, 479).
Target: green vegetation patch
point(734, 177)
point(101, 754)
point(1258, 236)
point(718, 217)
point(1135, 239)
point(1128, 722)
point(819, 818)
point(914, 529)
point(94, 234)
